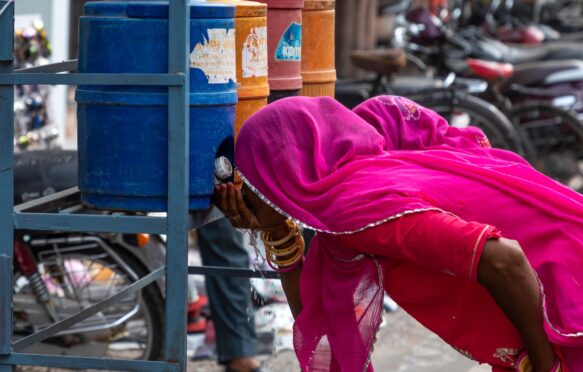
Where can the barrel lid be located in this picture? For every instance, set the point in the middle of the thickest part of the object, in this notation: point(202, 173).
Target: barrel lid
point(283, 4)
point(105, 8)
point(156, 9)
point(319, 4)
point(198, 9)
point(245, 8)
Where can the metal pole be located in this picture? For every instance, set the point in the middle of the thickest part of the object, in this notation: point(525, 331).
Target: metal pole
point(6, 178)
point(178, 185)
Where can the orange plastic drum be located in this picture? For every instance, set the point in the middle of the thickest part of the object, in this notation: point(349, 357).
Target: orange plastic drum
point(251, 49)
point(318, 68)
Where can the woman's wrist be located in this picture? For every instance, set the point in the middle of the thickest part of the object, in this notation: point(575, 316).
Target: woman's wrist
point(284, 246)
point(523, 364)
point(277, 231)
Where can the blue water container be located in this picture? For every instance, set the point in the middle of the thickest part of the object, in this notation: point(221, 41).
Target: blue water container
point(123, 130)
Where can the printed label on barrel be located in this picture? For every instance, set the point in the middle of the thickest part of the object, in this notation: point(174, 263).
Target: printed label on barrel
point(289, 47)
point(254, 54)
point(216, 57)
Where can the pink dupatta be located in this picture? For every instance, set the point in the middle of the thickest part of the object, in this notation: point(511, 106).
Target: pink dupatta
point(338, 173)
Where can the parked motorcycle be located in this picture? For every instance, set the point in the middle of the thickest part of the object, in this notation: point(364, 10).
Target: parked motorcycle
point(543, 98)
point(389, 74)
point(59, 274)
point(517, 22)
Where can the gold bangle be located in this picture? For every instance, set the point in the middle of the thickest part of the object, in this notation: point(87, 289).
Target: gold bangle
point(299, 246)
point(280, 251)
point(265, 236)
point(294, 252)
point(299, 254)
point(285, 253)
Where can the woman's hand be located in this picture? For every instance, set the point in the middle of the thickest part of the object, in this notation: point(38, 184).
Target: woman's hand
point(229, 200)
point(250, 212)
point(247, 212)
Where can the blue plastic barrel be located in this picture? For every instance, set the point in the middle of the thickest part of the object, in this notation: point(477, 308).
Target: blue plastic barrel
point(123, 130)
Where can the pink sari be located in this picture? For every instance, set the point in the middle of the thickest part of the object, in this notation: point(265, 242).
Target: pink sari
point(325, 167)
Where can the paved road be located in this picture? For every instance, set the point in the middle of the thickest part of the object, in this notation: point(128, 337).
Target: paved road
point(403, 346)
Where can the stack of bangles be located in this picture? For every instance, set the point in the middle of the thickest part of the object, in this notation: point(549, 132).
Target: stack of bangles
point(523, 364)
point(280, 254)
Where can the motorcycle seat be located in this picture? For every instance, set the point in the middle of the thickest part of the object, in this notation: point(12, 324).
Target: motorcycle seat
point(547, 73)
point(43, 172)
point(380, 61)
point(481, 46)
point(490, 70)
point(545, 52)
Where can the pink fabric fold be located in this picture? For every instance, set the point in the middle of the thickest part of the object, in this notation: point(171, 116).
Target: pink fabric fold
point(415, 128)
point(339, 172)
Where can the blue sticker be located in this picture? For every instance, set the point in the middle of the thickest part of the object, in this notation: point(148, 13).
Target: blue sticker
point(289, 47)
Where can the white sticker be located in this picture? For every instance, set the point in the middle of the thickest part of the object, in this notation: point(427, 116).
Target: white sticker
point(254, 54)
point(216, 57)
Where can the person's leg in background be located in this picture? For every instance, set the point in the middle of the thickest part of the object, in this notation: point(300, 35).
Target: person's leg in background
point(230, 297)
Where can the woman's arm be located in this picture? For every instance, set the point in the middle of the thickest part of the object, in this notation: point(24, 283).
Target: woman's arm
point(506, 273)
point(290, 280)
point(249, 212)
point(443, 242)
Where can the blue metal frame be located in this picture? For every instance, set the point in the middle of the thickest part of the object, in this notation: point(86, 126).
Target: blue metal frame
point(178, 176)
point(93, 79)
point(48, 213)
point(6, 178)
point(41, 215)
point(86, 363)
point(45, 333)
point(93, 223)
point(65, 66)
point(231, 272)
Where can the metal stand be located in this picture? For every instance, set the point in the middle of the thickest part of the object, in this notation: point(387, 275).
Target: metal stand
point(47, 213)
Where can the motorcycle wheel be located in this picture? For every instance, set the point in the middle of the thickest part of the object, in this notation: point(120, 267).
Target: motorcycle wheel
point(461, 110)
point(558, 138)
point(80, 274)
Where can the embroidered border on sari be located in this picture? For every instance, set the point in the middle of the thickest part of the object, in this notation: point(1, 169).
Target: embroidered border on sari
point(476, 249)
point(392, 217)
point(356, 258)
point(306, 226)
point(380, 320)
point(546, 315)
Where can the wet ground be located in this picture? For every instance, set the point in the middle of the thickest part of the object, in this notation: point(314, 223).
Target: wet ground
point(403, 346)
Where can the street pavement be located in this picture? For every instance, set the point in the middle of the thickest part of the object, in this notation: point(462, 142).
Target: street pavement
point(403, 345)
